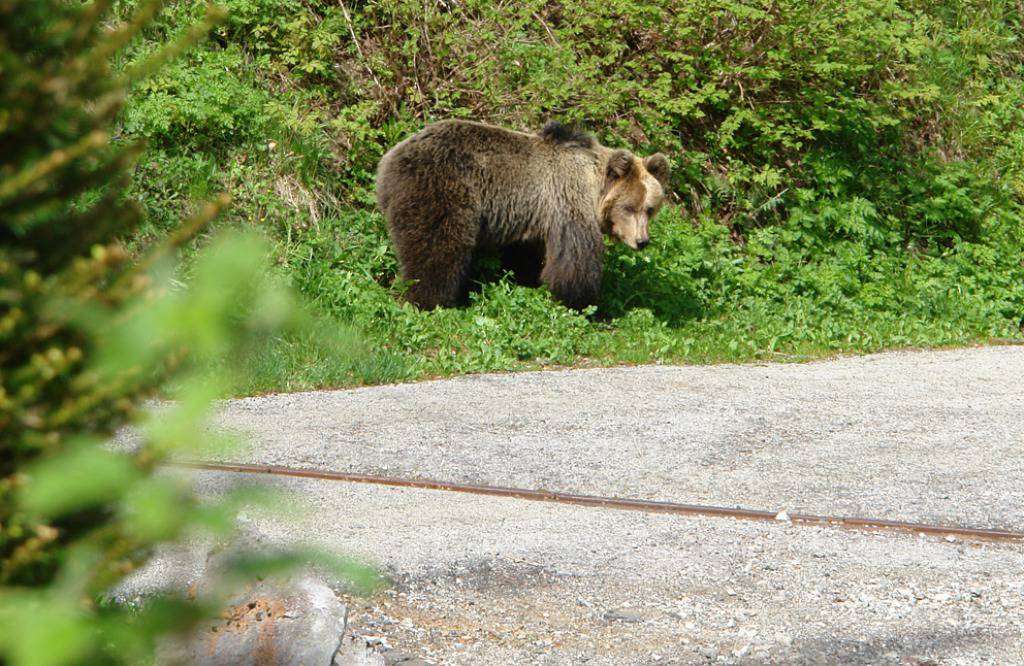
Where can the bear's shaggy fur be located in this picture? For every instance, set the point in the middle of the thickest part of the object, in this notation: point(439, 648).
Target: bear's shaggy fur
point(459, 187)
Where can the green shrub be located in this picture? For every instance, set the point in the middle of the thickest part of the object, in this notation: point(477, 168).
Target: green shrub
point(839, 168)
point(199, 103)
point(87, 334)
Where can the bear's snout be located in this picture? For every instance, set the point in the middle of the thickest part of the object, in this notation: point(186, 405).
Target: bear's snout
point(641, 244)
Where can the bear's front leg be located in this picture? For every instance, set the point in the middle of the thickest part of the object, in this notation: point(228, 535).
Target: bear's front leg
point(573, 262)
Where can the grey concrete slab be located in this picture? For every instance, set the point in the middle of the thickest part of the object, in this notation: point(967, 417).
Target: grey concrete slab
point(926, 436)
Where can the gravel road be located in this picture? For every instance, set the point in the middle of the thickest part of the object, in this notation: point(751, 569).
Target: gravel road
point(930, 436)
point(915, 436)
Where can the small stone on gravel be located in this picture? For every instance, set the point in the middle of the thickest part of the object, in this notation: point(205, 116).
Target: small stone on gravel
point(709, 653)
point(619, 615)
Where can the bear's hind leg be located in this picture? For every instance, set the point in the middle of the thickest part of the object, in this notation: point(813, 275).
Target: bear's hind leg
point(437, 268)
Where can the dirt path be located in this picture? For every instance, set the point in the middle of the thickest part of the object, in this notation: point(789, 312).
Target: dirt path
point(935, 437)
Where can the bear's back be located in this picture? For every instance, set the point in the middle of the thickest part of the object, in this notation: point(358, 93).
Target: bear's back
point(494, 166)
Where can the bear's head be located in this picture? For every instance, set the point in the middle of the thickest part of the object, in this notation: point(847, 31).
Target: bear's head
point(633, 192)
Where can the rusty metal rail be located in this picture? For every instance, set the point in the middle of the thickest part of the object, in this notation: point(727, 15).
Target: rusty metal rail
point(648, 506)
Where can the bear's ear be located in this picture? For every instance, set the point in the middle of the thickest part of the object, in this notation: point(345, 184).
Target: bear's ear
point(620, 164)
point(657, 166)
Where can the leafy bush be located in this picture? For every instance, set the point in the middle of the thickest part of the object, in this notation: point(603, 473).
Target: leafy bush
point(839, 167)
point(198, 103)
point(86, 334)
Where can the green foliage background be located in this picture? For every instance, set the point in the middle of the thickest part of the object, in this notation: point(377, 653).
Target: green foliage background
point(849, 175)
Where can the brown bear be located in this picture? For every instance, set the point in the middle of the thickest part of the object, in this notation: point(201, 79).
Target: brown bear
point(457, 188)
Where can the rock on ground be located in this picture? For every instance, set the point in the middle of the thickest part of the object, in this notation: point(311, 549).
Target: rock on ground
point(301, 622)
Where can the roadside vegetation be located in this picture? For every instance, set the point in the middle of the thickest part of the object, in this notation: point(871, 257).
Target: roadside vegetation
point(87, 333)
point(847, 176)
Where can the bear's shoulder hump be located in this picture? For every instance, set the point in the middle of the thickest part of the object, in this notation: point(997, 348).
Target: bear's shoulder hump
point(556, 132)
